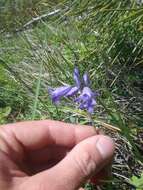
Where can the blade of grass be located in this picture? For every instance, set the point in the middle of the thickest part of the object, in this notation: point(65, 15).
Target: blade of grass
point(37, 92)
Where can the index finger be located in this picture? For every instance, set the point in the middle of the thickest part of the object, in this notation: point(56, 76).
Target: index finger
point(34, 135)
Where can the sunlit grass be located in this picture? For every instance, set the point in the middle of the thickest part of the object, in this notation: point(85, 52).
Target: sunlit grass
point(103, 37)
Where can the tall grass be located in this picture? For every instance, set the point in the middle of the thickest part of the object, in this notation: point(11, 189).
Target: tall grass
point(103, 37)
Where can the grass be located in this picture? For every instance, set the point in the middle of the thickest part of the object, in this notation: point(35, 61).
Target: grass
point(103, 37)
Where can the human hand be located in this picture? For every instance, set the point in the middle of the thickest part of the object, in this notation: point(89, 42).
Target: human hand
point(51, 155)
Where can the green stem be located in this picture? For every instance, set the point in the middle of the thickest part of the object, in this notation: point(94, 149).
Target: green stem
point(91, 121)
point(37, 93)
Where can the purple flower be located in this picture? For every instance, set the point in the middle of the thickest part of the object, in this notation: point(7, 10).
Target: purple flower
point(59, 92)
point(66, 91)
point(76, 77)
point(86, 80)
point(73, 91)
point(87, 100)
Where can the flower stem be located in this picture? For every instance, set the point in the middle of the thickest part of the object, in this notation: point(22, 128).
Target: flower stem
point(91, 122)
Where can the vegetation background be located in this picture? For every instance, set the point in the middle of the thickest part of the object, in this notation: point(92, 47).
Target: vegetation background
point(40, 43)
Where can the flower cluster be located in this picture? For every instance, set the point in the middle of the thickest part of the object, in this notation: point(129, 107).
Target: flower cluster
point(80, 91)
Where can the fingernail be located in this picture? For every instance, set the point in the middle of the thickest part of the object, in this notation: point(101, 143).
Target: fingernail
point(105, 146)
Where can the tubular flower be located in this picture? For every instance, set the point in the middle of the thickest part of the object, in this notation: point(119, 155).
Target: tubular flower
point(87, 100)
point(76, 77)
point(59, 92)
point(66, 91)
point(86, 80)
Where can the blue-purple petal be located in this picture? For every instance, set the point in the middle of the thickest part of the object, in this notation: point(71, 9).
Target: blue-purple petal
point(59, 92)
point(82, 98)
point(76, 77)
point(90, 109)
point(73, 91)
point(87, 91)
point(86, 80)
point(92, 102)
point(86, 100)
point(91, 105)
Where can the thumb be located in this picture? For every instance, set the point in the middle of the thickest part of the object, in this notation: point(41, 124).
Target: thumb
point(86, 158)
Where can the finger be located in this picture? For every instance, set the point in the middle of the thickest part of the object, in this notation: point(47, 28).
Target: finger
point(86, 158)
point(36, 168)
point(40, 160)
point(47, 154)
point(51, 156)
point(16, 138)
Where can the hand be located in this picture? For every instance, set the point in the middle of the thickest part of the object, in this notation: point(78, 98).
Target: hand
point(51, 155)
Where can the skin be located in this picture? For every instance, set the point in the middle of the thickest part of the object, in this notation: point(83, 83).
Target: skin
point(42, 155)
